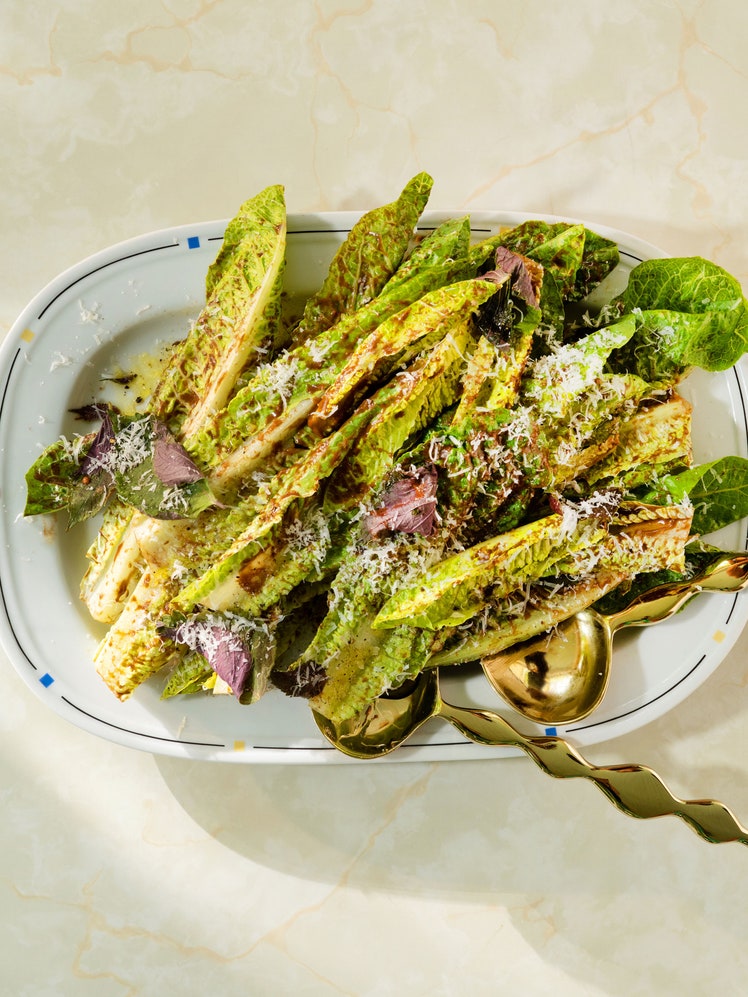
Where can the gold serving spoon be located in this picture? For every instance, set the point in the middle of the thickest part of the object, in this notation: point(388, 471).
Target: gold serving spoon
point(634, 789)
point(562, 675)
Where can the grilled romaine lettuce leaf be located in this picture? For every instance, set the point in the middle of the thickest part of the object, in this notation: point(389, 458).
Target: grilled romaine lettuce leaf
point(240, 318)
point(370, 255)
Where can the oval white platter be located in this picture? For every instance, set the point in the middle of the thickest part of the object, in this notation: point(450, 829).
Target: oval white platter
point(97, 318)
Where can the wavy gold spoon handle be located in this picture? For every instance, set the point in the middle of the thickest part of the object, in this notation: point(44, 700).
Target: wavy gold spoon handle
point(634, 789)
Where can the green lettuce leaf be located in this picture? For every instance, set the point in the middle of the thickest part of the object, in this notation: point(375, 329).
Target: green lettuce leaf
point(456, 589)
point(653, 440)
point(559, 247)
point(138, 464)
point(131, 456)
point(575, 260)
point(419, 394)
point(369, 665)
point(717, 490)
point(689, 313)
point(558, 380)
point(242, 231)
point(370, 255)
point(55, 483)
point(300, 481)
point(282, 394)
point(552, 304)
point(188, 676)
point(132, 649)
point(395, 342)
point(448, 242)
point(241, 316)
point(114, 561)
point(682, 284)
point(599, 258)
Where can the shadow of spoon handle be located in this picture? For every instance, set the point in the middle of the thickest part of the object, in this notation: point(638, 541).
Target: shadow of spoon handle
point(634, 789)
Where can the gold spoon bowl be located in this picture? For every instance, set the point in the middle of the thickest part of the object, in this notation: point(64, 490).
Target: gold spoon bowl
point(562, 675)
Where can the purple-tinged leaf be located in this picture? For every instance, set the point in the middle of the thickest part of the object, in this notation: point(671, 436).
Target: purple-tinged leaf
point(520, 269)
point(222, 647)
point(172, 464)
point(409, 506)
point(98, 458)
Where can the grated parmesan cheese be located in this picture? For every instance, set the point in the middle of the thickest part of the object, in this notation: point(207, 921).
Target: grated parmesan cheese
point(89, 313)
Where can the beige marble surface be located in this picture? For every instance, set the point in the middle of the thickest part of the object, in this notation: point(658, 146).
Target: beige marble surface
point(124, 873)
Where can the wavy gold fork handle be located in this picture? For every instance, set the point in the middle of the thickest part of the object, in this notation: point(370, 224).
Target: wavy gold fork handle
point(634, 789)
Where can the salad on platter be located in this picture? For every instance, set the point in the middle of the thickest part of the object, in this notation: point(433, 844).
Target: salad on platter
point(449, 447)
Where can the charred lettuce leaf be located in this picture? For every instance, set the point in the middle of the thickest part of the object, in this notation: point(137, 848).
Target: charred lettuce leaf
point(395, 342)
point(267, 207)
point(599, 258)
point(448, 242)
point(557, 381)
point(419, 393)
point(241, 317)
point(300, 481)
point(281, 396)
point(654, 440)
point(649, 540)
point(114, 560)
point(457, 588)
point(699, 559)
point(370, 255)
point(132, 649)
point(576, 258)
point(361, 663)
point(558, 247)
